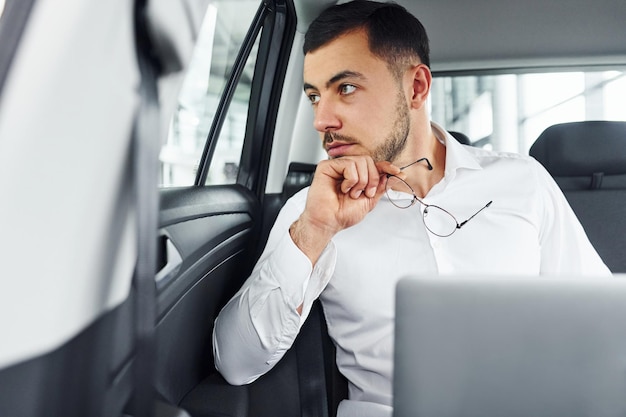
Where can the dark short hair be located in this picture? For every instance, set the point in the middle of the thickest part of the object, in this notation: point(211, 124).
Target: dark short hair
point(393, 33)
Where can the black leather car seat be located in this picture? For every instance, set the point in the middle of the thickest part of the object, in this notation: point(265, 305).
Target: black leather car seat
point(462, 138)
point(588, 162)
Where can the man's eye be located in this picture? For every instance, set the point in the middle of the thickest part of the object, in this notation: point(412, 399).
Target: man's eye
point(347, 89)
point(314, 98)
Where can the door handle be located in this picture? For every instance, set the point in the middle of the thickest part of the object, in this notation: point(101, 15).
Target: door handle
point(173, 262)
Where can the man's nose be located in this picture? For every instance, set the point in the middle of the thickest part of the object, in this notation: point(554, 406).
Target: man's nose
point(326, 117)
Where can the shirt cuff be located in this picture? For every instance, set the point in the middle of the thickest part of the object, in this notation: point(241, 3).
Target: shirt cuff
point(320, 276)
point(299, 281)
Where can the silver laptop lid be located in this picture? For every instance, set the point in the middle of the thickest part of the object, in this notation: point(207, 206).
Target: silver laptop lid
point(505, 346)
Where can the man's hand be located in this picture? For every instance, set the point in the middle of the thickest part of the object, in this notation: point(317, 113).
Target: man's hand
point(343, 192)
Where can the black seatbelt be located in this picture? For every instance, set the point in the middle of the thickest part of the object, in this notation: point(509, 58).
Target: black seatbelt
point(311, 370)
point(146, 140)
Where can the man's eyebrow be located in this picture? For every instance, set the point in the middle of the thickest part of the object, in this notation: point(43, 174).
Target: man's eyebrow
point(336, 78)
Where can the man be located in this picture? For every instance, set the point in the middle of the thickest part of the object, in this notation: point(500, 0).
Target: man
point(397, 196)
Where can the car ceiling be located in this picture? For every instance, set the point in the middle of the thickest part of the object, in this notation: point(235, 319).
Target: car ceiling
point(496, 34)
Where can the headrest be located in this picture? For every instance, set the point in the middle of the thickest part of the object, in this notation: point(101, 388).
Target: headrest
point(582, 148)
point(461, 137)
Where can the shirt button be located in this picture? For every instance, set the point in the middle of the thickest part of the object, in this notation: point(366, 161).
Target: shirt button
point(437, 244)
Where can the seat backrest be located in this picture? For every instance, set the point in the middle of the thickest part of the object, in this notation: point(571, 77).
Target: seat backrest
point(461, 137)
point(588, 162)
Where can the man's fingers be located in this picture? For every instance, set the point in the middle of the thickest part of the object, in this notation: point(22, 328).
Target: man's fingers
point(385, 167)
point(349, 177)
point(374, 179)
point(360, 175)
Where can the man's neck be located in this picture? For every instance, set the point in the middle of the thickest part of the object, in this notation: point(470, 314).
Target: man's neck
point(419, 176)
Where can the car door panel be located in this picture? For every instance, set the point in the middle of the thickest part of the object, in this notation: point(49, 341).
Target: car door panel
point(212, 229)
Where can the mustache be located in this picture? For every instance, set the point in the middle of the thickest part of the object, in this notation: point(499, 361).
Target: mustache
point(331, 137)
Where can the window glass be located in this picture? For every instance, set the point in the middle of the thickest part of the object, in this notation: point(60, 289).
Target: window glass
point(221, 36)
point(225, 163)
point(508, 112)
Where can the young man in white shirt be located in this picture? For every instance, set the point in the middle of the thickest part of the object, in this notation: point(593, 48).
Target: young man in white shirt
point(397, 196)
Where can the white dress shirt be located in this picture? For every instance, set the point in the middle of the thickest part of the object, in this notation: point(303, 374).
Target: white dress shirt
point(529, 229)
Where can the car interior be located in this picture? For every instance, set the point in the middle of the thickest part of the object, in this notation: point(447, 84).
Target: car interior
point(146, 148)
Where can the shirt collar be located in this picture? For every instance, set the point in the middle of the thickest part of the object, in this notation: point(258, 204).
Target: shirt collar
point(457, 156)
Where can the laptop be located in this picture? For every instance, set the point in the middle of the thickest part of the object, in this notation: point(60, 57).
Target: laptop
point(506, 347)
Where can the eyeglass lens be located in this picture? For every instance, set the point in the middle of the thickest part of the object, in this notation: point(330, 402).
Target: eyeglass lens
point(437, 220)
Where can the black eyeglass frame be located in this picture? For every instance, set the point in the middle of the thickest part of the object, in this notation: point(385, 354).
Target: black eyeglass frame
point(426, 206)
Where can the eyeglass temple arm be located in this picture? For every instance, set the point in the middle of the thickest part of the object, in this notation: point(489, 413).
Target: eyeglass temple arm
point(430, 167)
point(474, 215)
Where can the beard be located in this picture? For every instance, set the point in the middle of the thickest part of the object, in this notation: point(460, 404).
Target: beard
point(395, 143)
point(396, 140)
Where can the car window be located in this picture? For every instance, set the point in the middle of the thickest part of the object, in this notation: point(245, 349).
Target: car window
point(509, 111)
point(221, 37)
point(225, 163)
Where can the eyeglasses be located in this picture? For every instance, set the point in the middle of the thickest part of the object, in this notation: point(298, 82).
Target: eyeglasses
point(437, 220)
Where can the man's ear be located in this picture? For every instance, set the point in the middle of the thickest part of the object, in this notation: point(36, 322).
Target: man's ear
point(421, 82)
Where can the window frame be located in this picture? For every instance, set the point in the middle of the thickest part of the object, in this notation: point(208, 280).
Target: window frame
point(275, 20)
